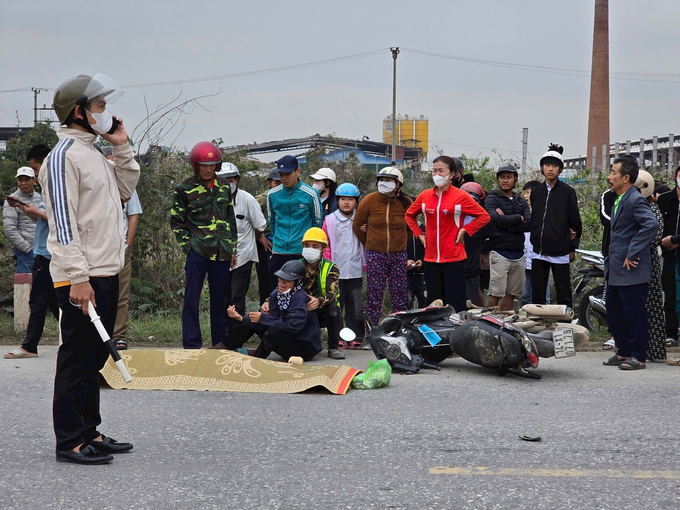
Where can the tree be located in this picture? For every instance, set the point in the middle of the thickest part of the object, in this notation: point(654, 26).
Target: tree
point(18, 147)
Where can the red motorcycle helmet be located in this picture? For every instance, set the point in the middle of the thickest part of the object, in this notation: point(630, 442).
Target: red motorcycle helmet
point(205, 152)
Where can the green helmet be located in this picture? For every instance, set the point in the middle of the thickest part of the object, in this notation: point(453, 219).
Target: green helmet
point(83, 89)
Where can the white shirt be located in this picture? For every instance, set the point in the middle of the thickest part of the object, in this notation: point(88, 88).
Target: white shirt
point(249, 218)
point(347, 249)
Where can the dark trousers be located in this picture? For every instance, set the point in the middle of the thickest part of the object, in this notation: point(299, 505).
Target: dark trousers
point(446, 282)
point(262, 270)
point(43, 298)
point(196, 268)
point(351, 305)
point(240, 282)
point(284, 345)
point(472, 289)
point(668, 284)
point(540, 272)
point(627, 319)
point(276, 262)
point(416, 291)
point(82, 355)
point(330, 318)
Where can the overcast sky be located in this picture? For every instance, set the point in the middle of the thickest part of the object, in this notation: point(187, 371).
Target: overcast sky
point(472, 107)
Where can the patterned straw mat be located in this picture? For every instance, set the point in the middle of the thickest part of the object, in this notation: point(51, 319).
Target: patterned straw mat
point(221, 370)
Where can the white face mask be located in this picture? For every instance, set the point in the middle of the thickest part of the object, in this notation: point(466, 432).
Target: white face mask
point(677, 181)
point(311, 255)
point(318, 186)
point(385, 187)
point(102, 121)
point(440, 181)
point(286, 291)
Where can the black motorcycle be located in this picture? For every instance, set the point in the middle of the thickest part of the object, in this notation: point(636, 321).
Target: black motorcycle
point(592, 312)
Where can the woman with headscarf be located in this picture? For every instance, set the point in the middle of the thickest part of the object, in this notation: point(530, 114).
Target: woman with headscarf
point(289, 328)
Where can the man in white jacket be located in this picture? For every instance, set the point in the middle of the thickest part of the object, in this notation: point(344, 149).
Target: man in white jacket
point(82, 194)
point(19, 227)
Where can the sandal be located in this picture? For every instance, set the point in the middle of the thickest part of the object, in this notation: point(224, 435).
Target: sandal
point(608, 345)
point(341, 344)
point(671, 342)
point(632, 364)
point(354, 344)
point(120, 344)
point(20, 354)
point(673, 361)
point(614, 361)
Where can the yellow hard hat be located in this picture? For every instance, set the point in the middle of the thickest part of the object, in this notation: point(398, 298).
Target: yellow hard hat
point(315, 234)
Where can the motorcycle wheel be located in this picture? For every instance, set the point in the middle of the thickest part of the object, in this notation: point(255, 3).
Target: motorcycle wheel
point(592, 319)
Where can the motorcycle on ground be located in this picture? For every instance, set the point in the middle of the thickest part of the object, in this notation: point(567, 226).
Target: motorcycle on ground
point(423, 338)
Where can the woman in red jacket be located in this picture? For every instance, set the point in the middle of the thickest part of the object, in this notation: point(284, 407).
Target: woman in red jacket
point(447, 210)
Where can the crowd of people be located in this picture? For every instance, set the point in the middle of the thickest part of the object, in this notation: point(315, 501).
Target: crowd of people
point(313, 246)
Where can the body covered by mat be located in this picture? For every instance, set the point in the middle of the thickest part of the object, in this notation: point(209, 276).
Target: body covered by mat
point(219, 370)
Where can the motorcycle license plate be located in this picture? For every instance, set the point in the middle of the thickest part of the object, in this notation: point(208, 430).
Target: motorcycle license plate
point(564, 343)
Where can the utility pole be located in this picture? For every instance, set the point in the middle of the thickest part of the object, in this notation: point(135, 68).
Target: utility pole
point(395, 52)
point(525, 141)
point(36, 91)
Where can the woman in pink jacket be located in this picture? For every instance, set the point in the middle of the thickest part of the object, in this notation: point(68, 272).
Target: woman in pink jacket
point(449, 214)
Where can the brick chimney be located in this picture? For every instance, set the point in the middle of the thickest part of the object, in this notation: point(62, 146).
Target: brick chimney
point(598, 116)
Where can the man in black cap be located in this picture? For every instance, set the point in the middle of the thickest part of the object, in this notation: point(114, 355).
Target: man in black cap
point(292, 209)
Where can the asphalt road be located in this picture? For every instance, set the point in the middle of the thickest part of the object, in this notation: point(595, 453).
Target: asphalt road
point(444, 439)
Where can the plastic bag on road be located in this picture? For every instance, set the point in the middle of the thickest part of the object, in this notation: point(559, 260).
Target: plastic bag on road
point(377, 375)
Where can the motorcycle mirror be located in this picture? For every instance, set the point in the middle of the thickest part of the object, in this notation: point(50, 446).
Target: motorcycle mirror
point(347, 335)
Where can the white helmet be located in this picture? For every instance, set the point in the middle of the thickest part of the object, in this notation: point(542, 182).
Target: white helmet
point(391, 173)
point(228, 170)
point(554, 152)
point(645, 183)
point(324, 173)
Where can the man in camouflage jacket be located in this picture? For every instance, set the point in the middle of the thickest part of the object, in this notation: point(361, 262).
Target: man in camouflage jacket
point(203, 221)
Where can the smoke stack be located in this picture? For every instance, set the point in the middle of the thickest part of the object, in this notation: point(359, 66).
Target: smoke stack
point(598, 116)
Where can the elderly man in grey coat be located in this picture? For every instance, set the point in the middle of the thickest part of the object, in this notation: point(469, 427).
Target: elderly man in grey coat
point(628, 267)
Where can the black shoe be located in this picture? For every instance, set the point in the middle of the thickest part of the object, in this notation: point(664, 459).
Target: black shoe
point(86, 455)
point(109, 445)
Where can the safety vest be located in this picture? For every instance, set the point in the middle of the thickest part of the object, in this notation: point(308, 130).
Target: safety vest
point(324, 271)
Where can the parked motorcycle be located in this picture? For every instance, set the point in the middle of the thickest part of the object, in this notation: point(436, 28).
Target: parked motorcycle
point(592, 310)
point(417, 339)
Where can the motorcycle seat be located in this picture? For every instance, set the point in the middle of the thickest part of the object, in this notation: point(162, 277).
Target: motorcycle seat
point(425, 314)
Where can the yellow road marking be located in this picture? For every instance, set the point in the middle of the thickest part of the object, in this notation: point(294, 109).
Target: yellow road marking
point(571, 473)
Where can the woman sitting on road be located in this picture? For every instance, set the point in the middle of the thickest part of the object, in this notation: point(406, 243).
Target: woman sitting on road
point(290, 330)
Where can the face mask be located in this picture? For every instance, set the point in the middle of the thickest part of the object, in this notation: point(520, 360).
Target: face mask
point(311, 255)
point(233, 187)
point(440, 181)
point(286, 291)
point(677, 181)
point(318, 187)
point(386, 187)
point(103, 122)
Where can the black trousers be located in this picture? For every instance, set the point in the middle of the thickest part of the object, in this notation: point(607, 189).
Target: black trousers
point(82, 355)
point(668, 283)
point(330, 318)
point(627, 319)
point(262, 270)
point(43, 298)
point(276, 262)
point(352, 306)
point(446, 282)
point(416, 291)
point(540, 272)
point(284, 345)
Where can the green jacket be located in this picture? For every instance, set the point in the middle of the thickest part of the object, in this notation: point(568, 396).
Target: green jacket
point(323, 283)
point(203, 219)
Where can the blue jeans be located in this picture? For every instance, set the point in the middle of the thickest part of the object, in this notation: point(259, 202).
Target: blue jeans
point(23, 262)
point(196, 267)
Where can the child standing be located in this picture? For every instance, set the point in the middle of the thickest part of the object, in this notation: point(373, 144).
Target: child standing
point(349, 254)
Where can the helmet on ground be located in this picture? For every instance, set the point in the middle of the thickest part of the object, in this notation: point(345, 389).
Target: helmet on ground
point(645, 183)
point(324, 173)
point(508, 167)
point(554, 155)
point(83, 89)
point(391, 173)
point(206, 153)
point(228, 170)
point(473, 187)
point(347, 189)
point(315, 235)
point(291, 271)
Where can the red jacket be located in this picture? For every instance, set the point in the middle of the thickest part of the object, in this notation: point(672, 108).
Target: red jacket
point(444, 217)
